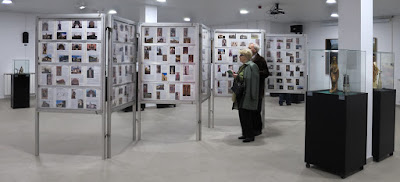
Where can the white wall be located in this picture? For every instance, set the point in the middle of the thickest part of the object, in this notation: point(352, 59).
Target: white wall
point(269, 27)
point(318, 31)
point(387, 33)
point(11, 46)
point(396, 50)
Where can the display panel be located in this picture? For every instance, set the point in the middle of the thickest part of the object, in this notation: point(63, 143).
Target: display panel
point(286, 57)
point(336, 72)
point(169, 67)
point(206, 63)
point(122, 66)
point(227, 44)
point(70, 63)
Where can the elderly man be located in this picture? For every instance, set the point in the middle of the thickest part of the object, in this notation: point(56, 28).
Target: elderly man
point(264, 73)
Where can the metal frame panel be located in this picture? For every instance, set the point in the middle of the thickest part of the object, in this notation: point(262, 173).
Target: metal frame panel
point(69, 17)
point(111, 19)
point(262, 53)
point(203, 27)
point(197, 76)
point(305, 59)
point(196, 57)
point(209, 95)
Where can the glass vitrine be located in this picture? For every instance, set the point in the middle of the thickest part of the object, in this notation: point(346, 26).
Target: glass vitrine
point(383, 70)
point(336, 71)
point(21, 66)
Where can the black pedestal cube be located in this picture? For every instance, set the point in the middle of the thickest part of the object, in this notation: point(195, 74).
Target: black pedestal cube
point(336, 131)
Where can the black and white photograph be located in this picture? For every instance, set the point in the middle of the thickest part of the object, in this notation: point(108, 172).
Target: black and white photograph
point(173, 32)
point(92, 36)
point(61, 47)
point(63, 58)
point(74, 81)
point(147, 70)
point(185, 32)
point(76, 24)
point(172, 88)
point(45, 26)
point(76, 35)
point(76, 47)
point(91, 93)
point(148, 40)
point(174, 40)
point(158, 68)
point(93, 59)
point(76, 70)
point(90, 73)
point(92, 24)
point(159, 32)
point(172, 50)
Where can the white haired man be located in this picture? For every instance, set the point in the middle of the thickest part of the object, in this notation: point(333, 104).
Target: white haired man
point(264, 73)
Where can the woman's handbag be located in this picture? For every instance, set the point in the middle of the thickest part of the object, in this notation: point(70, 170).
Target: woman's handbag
point(238, 88)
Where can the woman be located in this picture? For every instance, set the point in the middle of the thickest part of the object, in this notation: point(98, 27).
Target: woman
point(247, 102)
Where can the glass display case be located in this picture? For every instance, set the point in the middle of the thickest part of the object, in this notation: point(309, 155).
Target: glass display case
point(383, 70)
point(21, 66)
point(336, 71)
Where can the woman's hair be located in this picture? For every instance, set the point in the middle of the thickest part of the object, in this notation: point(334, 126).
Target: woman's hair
point(246, 53)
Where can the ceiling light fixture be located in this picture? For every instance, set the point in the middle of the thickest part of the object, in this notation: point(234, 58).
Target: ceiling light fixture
point(6, 2)
point(82, 7)
point(334, 15)
point(186, 19)
point(330, 1)
point(162, 1)
point(112, 12)
point(243, 12)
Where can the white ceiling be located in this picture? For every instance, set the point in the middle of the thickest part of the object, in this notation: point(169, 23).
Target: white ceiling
point(209, 12)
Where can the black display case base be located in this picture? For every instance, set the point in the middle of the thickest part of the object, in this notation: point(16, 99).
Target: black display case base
point(383, 127)
point(336, 131)
point(165, 105)
point(343, 176)
point(296, 98)
point(20, 96)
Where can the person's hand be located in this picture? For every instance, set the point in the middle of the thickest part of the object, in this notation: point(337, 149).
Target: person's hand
point(235, 75)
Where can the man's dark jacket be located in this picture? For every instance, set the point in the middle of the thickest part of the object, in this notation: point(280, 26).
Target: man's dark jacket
point(264, 73)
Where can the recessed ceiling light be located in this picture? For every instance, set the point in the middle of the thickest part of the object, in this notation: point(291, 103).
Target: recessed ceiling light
point(162, 1)
point(331, 1)
point(112, 12)
point(82, 7)
point(186, 19)
point(6, 2)
point(243, 12)
point(335, 15)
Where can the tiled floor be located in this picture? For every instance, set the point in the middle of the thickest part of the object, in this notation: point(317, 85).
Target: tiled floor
point(71, 148)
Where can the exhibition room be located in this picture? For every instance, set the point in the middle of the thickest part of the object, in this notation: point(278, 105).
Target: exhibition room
point(199, 90)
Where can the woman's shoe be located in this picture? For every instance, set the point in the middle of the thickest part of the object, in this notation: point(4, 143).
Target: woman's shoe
point(248, 140)
point(242, 138)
